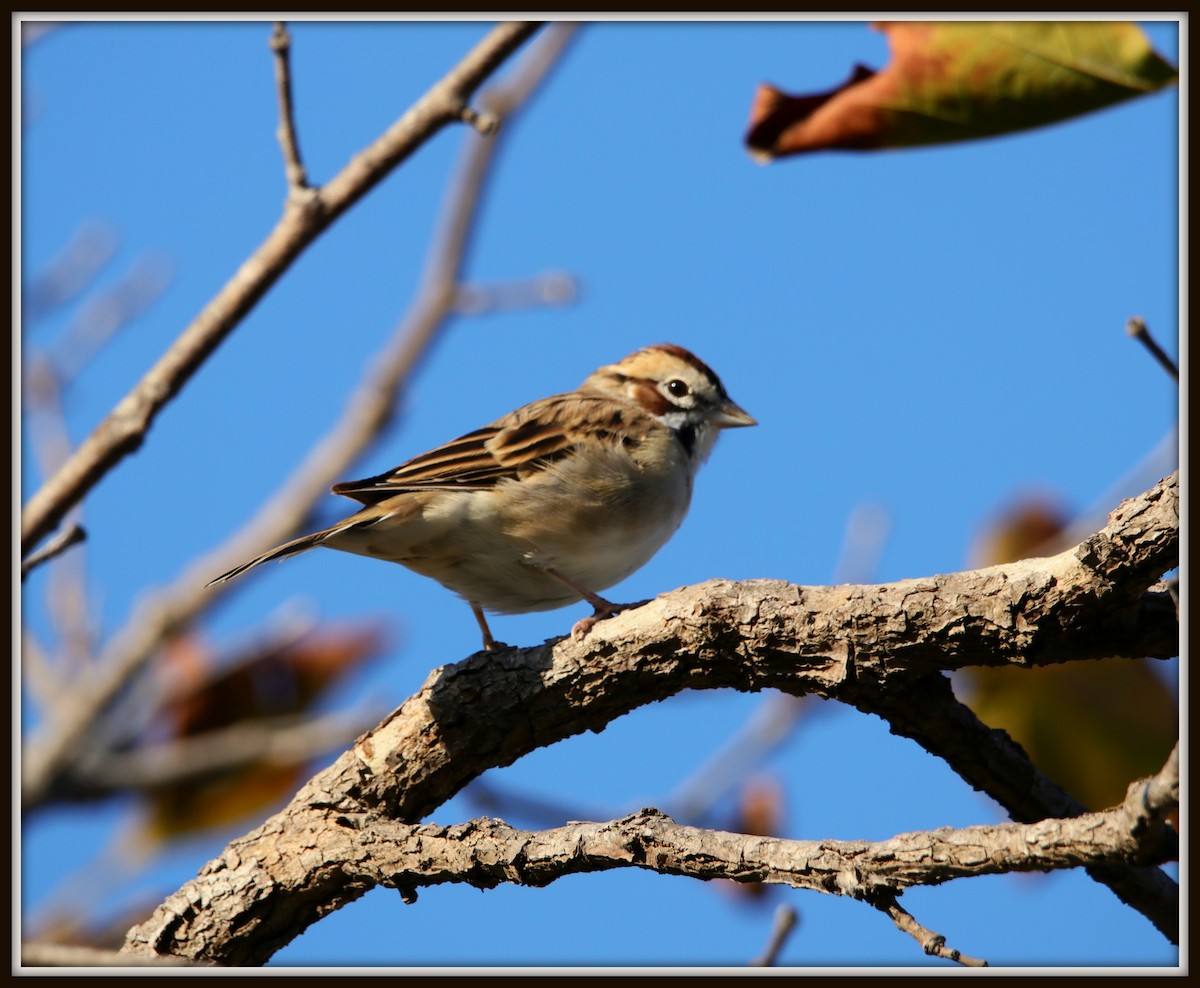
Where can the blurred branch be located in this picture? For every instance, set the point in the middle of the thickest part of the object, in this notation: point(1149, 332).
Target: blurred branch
point(68, 602)
point(875, 648)
point(1159, 461)
point(281, 43)
point(67, 537)
point(494, 800)
point(38, 675)
point(34, 954)
point(771, 722)
point(266, 741)
point(125, 427)
point(107, 312)
point(778, 715)
point(781, 928)
point(283, 868)
point(550, 288)
point(367, 412)
point(89, 249)
point(34, 31)
point(1136, 328)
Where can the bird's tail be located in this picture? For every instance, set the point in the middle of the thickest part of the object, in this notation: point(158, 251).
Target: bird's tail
point(302, 544)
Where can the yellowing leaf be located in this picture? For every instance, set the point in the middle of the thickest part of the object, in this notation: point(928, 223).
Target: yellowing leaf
point(1092, 727)
point(271, 680)
point(959, 81)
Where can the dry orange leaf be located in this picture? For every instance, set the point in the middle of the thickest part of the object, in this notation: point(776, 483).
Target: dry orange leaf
point(276, 679)
point(957, 81)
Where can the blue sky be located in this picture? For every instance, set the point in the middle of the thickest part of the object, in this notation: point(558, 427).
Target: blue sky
point(929, 331)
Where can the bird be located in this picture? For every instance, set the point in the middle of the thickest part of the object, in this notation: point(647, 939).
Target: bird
point(552, 503)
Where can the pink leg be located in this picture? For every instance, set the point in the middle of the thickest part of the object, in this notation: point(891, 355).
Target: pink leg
point(489, 643)
point(603, 608)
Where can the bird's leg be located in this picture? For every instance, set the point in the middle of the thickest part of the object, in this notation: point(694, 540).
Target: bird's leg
point(603, 608)
point(489, 643)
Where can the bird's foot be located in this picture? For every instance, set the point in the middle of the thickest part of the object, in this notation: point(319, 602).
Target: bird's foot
point(603, 609)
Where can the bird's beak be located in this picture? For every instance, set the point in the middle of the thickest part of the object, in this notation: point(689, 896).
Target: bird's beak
point(731, 415)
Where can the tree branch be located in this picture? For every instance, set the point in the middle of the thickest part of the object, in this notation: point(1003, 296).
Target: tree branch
point(262, 890)
point(281, 44)
point(123, 431)
point(932, 943)
point(367, 412)
point(37, 954)
point(925, 709)
point(71, 535)
point(785, 921)
point(847, 643)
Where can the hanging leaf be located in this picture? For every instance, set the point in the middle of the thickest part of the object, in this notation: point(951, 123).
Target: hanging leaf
point(960, 81)
point(277, 679)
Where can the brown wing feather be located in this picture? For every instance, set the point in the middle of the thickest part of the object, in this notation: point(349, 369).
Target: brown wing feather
point(527, 440)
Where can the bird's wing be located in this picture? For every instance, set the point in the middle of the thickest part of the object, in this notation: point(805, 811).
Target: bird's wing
point(524, 441)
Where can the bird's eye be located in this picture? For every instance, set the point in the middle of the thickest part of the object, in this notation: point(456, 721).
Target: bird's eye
point(677, 388)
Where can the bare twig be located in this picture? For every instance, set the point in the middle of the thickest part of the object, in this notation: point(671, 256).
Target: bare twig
point(366, 414)
point(281, 43)
point(69, 536)
point(282, 869)
point(784, 922)
point(124, 429)
point(932, 943)
point(1136, 327)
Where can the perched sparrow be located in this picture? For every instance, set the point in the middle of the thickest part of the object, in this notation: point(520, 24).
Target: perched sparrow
point(551, 503)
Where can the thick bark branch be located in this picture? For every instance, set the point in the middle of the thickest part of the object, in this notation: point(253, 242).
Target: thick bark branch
point(866, 646)
point(123, 431)
point(251, 901)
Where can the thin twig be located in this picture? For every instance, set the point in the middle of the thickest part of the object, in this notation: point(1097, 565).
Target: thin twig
point(785, 921)
point(281, 43)
point(366, 414)
point(1136, 327)
point(125, 427)
point(932, 943)
point(69, 536)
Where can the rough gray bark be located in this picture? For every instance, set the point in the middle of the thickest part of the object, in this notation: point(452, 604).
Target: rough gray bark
point(879, 648)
